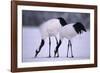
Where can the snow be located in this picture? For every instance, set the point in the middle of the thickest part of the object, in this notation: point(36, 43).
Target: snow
point(31, 40)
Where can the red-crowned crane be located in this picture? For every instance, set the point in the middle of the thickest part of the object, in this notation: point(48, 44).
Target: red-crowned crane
point(69, 31)
point(48, 29)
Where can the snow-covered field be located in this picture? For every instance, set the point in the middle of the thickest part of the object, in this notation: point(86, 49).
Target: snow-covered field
point(31, 41)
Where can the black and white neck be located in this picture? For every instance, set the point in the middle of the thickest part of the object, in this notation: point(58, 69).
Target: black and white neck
point(62, 21)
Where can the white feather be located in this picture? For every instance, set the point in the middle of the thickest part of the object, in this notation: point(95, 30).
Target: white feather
point(68, 31)
point(50, 28)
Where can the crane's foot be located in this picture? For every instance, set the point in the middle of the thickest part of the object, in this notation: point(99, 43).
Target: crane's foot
point(57, 56)
point(72, 56)
point(49, 56)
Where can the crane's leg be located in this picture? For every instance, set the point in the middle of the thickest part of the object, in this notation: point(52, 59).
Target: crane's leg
point(68, 47)
point(71, 49)
point(56, 53)
point(41, 45)
point(57, 44)
point(49, 47)
point(56, 40)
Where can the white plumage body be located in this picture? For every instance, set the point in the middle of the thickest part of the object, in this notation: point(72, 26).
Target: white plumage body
point(67, 31)
point(50, 28)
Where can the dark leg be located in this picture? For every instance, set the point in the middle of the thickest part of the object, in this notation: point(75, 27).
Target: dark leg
point(41, 45)
point(68, 47)
point(71, 50)
point(56, 51)
point(56, 40)
point(49, 47)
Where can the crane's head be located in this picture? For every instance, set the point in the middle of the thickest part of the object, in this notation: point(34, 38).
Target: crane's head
point(79, 27)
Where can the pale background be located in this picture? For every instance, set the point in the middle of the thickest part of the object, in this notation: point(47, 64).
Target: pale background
point(5, 36)
point(31, 36)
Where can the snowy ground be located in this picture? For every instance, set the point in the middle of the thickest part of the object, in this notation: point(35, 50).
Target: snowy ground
point(31, 41)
